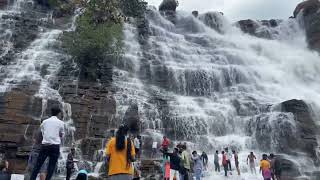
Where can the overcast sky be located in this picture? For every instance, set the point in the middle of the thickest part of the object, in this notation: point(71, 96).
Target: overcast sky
point(240, 9)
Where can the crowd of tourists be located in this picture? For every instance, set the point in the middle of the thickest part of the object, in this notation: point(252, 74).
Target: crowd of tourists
point(123, 151)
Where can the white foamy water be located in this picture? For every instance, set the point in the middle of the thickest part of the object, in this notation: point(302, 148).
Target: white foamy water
point(39, 63)
point(191, 81)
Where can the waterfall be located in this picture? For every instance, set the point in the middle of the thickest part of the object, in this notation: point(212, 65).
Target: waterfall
point(38, 63)
point(213, 86)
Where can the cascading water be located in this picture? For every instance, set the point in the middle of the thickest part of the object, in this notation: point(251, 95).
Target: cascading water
point(39, 62)
point(192, 82)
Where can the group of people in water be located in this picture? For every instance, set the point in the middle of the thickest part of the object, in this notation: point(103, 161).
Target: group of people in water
point(122, 151)
point(184, 166)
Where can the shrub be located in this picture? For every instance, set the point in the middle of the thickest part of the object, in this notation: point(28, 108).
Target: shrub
point(133, 8)
point(93, 41)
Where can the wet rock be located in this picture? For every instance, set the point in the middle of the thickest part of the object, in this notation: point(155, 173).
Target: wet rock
point(3, 3)
point(131, 118)
point(150, 169)
point(89, 146)
point(289, 129)
point(248, 26)
point(195, 13)
point(261, 29)
point(214, 20)
point(305, 125)
point(308, 7)
point(311, 17)
point(20, 115)
point(289, 169)
point(168, 5)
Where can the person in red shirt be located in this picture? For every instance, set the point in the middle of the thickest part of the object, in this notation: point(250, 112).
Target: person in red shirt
point(165, 144)
point(225, 163)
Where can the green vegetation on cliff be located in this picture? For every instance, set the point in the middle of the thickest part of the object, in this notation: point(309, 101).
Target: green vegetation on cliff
point(97, 39)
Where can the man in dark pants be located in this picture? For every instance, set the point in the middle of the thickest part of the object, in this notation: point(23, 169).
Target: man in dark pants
point(52, 131)
point(70, 163)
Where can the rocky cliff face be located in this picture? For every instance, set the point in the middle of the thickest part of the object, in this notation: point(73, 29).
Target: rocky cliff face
point(96, 103)
point(92, 104)
point(261, 29)
point(310, 12)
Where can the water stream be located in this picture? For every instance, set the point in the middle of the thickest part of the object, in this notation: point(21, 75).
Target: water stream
point(193, 82)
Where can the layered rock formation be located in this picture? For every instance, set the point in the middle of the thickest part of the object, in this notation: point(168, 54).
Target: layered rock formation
point(168, 5)
point(287, 136)
point(94, 107)
point(259, 29)
point(310, 11)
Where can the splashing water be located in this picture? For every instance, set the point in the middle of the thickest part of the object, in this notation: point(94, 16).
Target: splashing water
point(196, 82)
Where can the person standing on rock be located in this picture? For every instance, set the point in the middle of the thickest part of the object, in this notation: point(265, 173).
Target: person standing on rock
point(216, 161)
point(70, 163)
point(251, 161)
point(52, 131)
point(120, 154)
point(154, 149)
point(165, 144)
point(236, 161)
point(34, 154)
point(137, 146)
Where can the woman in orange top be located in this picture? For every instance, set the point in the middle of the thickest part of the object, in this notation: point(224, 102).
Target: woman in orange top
point(265, 167)
point(120, 154)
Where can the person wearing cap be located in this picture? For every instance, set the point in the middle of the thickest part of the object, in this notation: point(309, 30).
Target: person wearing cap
point(70, 163)
point(82, 175)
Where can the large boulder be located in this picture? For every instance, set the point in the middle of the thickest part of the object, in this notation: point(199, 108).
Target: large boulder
point(131, 118)
point(3, 3)
point(168, 5)
point(289, 129)
point(214, 20)
point(261, 29)
point(311, 17)
point(306, 126)
point(20, 115)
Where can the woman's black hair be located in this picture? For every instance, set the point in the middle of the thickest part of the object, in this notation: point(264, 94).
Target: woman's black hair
point(55, 111)
point(121, 142)
point(265, 156)
point(121, 137)
point(81, 176)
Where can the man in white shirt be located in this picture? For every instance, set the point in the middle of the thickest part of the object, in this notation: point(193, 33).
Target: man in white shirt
point(52, 131)
point(154, 149)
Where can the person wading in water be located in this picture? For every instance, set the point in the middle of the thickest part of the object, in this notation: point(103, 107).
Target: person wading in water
point(251, 158)
point(120, 154)
point(225, 163)
point(236, 161)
